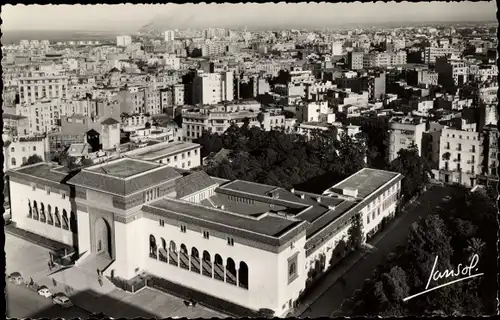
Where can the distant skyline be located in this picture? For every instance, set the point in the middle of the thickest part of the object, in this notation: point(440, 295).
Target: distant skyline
point(130, 17)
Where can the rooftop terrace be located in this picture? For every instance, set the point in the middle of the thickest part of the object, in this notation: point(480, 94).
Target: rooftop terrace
point(124, 168)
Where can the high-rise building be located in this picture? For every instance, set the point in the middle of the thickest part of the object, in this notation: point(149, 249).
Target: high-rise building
point(213, 88)
point(123, 41)
point(169, 35)
point(355, 60)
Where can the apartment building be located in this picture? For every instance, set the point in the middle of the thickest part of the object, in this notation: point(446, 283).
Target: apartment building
point(218, 118)
point(451, 71)
point(311, 111)
point(17, 125)
point(43, 115)
point(235, 240)
point(355, 60)
point(42, 84)
point(432, 53)
point(213, 88)
point(460, 156)
point(177, 154)
point(404, 132)
point(123, 41)
point(17, 150)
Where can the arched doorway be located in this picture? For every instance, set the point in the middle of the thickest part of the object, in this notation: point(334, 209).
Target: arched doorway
point(103, 237)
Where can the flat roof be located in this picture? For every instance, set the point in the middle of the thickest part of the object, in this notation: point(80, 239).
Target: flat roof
point(170, 149)
point(366, 181)
point(42, 170)
point(124, 168)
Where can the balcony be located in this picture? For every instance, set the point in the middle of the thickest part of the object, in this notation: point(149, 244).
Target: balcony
point(471, 161)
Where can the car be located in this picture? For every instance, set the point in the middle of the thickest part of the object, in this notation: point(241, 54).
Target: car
point(447, 198)
point(16, 278)
point(62, 300)
point(44, 292)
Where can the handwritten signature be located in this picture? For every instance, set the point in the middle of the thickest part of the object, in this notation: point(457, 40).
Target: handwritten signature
point(462, 270)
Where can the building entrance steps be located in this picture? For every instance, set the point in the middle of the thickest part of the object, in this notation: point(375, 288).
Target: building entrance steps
point(84, 277)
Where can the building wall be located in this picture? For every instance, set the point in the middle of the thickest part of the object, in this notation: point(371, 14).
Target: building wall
point(401, 137)
point(19, 150)
point(22, 194)
point(184, 160)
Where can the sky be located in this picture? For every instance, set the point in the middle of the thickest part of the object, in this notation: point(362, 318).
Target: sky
point(130, 17)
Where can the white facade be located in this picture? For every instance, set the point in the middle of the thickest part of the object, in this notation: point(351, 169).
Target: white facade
point(18, 150)
point(403, 134)
point(123, 41)
point(213, 88)
point(38, 85)
point(174, 226)
point(169, 35)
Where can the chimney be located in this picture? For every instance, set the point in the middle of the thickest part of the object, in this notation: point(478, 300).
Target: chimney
point(332, 207)
point(318, 199)
point(302, 196)
point(292, 190)
point(222, 207)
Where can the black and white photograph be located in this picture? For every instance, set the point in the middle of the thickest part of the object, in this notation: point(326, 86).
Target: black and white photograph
point(250, 160)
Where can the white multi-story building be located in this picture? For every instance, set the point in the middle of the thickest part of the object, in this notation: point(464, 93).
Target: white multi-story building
point(460, 156)
point(46, 84)
point(123, 41)
point(182, 155)
point(218, 118)
point(311, 111)
point(247, 243)
point(169, 35)
point(17, 150)
point(404, 132)
point(213, 88)
point(432, 53)
point(43, 116)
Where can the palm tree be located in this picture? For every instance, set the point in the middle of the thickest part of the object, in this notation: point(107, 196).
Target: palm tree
point(475, 246)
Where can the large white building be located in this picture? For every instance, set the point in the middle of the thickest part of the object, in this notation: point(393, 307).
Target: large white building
point(42, 84)
point(169, 35)
point(123, 41)
point(404, 132)
point(213, 88)
point(17, 150)
point(243, 242)
point(218, 118)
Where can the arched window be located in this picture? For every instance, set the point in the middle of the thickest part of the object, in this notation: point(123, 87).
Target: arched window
point(50, 218)
point(57, 222)
point(152, 246)
point(184, 258)
point(218, 268)
point(35, 210)
point(73, 224)
point(230, 271)
point(42, 213)
point(206, 264)
point(13, 161)
point(12, 149)
point(243, 275)
point(195, 260)
point(163, 252)
point(172, 254)
point(25, 160)
point(65, 222)
point(30, 211)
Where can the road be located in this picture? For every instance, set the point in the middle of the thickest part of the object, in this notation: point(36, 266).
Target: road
point(25, 303)
point(328, 304)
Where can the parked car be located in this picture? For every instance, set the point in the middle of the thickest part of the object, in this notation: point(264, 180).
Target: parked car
point(62, 300)
point(16, 278)
point(447, 198)
point(44, 292)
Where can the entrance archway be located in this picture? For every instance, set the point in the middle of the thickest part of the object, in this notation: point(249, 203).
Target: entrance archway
point(103, 237)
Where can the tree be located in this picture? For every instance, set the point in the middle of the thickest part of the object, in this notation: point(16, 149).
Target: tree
point(415, 169)
point(355, 233)
point(32, 160)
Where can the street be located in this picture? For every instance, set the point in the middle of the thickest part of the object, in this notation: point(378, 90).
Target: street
point(328, 303)
point(25, 303)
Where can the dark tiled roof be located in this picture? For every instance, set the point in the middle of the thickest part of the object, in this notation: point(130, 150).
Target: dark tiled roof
point(193, 182)
point(106, 183)
point(267, 229)
point(110, 121)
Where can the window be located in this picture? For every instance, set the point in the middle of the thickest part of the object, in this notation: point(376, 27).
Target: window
point(195, 152)
point(12, 149)
point(230, 241)
point(292, 268)
point(162, 222)
point(292, 244)
point(33, 187)
point(34, 148)
point(368, 218)
point(63, 195)
point(48, 190)
point(183, 228)
point(206, 235)
point(24, 149)
point(13, 161)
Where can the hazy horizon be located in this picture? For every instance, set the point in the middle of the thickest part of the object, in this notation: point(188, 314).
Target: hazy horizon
point(130, 17)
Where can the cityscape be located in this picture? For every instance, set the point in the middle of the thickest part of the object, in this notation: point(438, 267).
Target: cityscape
point(286, 160)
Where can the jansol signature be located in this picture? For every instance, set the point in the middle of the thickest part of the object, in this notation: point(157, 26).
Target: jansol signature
point(462, 270)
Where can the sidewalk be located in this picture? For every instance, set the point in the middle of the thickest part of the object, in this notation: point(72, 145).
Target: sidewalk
point(333, 275)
